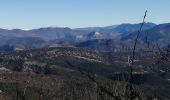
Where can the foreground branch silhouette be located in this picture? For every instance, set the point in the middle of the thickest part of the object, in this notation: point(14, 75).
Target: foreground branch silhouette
point(132, 58)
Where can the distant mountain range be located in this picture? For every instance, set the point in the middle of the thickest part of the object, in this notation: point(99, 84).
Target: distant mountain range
point(117, 28)
point(159, 34)
point(46, 37)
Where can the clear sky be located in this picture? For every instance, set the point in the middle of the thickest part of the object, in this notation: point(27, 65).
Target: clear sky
point(29, 14)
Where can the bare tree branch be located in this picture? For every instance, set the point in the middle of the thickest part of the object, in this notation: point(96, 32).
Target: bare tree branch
point(131, 60)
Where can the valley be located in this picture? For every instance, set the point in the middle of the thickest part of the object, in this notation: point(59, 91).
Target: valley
point(65, 68)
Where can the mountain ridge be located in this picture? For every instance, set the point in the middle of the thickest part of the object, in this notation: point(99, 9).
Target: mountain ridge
point(58, 36)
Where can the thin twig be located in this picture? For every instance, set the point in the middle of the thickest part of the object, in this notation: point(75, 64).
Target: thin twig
point(133, 57)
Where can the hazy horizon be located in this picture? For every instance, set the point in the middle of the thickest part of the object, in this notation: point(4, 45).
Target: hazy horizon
point(74, 27)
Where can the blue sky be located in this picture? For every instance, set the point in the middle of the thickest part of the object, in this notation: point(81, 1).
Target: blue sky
point(29, 14)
